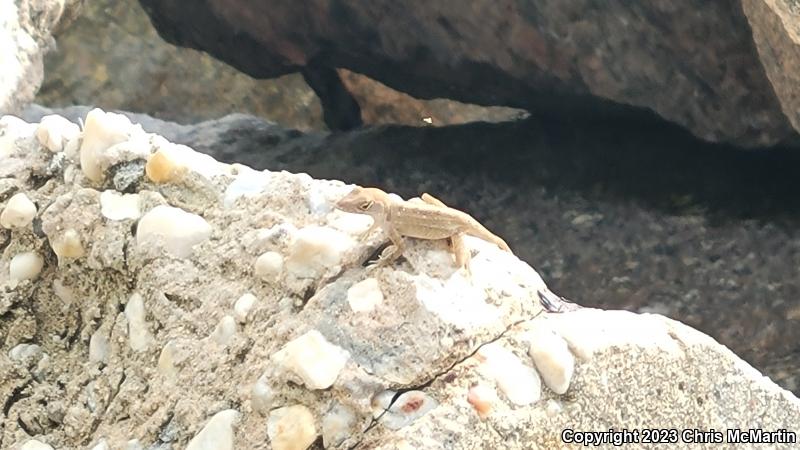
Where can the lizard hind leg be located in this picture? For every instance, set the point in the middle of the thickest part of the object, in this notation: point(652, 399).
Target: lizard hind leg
point(460, 251)
point(431, 200)
point(457, 245)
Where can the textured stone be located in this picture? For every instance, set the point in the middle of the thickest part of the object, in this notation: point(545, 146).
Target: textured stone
point(416, 356)
point(692, 62)
point(776, 33)
point(25, 36)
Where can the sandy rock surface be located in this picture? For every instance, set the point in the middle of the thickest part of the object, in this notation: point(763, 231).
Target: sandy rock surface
point(173, 340)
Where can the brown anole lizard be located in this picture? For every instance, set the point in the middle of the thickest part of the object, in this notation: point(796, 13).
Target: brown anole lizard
point(428, 219)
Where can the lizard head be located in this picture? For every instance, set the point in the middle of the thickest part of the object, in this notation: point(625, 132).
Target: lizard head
point(370, 201)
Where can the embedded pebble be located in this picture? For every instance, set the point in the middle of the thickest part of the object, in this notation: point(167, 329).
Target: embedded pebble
point(352, 224)
point(25, 266)
point(33, 444)
point(163, 167)
point(317, 199)
point(312, 358)
point(248, 183)
point(408, 407)
point(116, 206)
point(482, 398)
point(269, 266)
point(138, 334)
point(291, 428)
point(128, 175)
point(552, 358)
point(261, 395)
point(55, 131)
point(552, 408)
point(101, 445)
point(25, 352)
point(168, 359)
point(134, 444)
point(316, 249)
point(217, 434)
point(98, 347)
point(172, 161)
point(101, 131)
point(173, 228)
point(279, 235)
point(63, 292)
point(68, 244)
point(365, 295)
point(381, 402)
point(519, 382)
point(224, 331)
point(337, 425)
point(243, 306)
point(18, 213)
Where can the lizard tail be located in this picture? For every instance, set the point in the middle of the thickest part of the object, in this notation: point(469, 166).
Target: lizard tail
point(486, 235)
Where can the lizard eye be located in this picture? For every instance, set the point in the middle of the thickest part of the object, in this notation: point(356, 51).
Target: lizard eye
point(366, 205)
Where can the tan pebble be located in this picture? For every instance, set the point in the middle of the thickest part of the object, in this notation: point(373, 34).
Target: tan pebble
point(160, 168)
point(291, 428)
point(482, 398)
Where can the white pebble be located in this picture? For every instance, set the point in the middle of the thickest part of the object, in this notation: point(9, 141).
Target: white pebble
point(365, 295)
point(552, 408)
point(217, 434)
point(337, 425)
point(315, 250)
point(55, 131)
point(291, 428)
point(116, 206)
point(552, 358)
point(138, 334)
point(68, 244)
point(408, 407)
point(101, 131)
point(243, 306)
point(312, 358)
point(25, 266)
point(173, 228)
point(381, 402)
point(133, 444)
point(98, 347)
point(101, 445)
point(261, 395)
point(519, 382)
point(269, 266)
point(33, 444)
point(25, 352)
point(224, 331)
point(248, 183)
point(18, 213)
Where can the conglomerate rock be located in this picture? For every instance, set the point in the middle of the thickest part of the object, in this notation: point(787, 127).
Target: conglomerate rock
point(152, 296)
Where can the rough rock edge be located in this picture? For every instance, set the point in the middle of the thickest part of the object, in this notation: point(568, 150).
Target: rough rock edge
point(25, 36)
point(185, 366)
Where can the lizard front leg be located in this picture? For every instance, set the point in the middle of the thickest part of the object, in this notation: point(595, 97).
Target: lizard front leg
point(393, 250)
